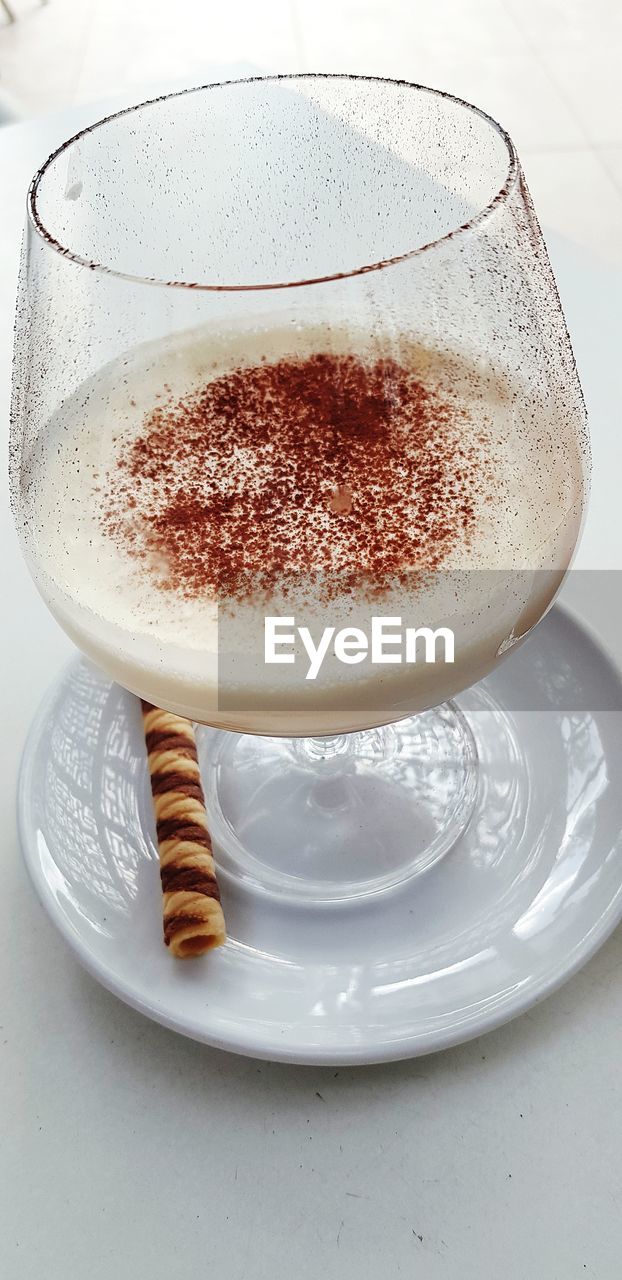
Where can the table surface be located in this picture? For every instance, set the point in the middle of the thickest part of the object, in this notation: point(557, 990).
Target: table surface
point(132, 1152)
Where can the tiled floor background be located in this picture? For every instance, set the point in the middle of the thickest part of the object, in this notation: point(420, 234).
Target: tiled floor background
point(549, 70)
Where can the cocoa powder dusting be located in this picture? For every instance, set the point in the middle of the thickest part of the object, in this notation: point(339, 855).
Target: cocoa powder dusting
point(328, 471)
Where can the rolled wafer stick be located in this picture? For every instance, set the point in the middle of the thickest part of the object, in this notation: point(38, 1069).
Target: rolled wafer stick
point(193, 918)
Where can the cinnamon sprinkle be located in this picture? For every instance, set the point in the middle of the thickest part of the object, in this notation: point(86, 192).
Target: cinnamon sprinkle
point(326, 470)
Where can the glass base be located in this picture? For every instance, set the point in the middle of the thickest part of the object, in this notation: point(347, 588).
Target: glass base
point(341, 817)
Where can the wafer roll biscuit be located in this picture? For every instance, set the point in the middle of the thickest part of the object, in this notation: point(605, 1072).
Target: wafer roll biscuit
point(193, 919)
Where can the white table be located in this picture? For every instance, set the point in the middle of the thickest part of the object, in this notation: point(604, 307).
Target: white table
point(130, 1152)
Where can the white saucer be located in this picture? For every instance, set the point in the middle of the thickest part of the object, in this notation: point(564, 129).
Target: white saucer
point(524, 898)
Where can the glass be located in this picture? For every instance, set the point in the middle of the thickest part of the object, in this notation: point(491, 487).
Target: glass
point(290, 347)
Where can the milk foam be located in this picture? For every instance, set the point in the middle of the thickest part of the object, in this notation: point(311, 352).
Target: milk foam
point(164, 645)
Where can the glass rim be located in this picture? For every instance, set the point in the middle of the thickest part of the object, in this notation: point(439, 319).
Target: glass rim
point(465, 228)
